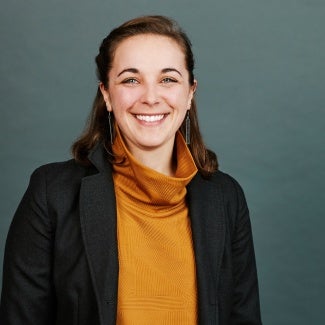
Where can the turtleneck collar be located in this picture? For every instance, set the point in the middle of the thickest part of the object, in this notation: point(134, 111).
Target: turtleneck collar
point(148, 186)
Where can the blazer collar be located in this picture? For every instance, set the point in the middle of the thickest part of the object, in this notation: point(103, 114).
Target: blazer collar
point(98, 156)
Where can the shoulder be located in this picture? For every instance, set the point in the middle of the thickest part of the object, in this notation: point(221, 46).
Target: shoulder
point(221, 182)
point(222, 178)
point(232, 191)
point(58, 179)
point(53, 191)
point(225, 193)
point(64, 171)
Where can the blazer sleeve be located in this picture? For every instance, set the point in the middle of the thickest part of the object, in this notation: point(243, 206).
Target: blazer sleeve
point(27, 293)
point(246, 308)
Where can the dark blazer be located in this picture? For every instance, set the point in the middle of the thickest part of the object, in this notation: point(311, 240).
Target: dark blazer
point(61, 259)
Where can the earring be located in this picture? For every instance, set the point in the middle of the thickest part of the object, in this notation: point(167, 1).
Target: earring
point(188, 128)
point(110, 127)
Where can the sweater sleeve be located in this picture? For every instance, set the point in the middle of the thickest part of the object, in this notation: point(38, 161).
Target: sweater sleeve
point(27, 293)
point(245, 308)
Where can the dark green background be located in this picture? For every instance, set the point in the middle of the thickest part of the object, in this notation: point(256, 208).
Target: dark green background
point(261, 72)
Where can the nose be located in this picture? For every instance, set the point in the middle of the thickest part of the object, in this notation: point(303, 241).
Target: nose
point(150, 95)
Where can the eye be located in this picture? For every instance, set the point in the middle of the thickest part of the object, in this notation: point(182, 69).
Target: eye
point(130, 81)
point(168, 80)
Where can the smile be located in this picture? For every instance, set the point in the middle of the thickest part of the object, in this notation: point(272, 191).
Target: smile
point(150, 118)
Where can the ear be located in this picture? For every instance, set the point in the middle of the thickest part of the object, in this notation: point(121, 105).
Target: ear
point(194, 86)
point(192, 92)
point(106, 97)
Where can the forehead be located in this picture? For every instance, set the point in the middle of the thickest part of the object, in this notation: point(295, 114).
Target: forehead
point(149, 49)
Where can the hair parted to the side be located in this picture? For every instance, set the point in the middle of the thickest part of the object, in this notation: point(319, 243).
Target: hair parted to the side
point(97, 129)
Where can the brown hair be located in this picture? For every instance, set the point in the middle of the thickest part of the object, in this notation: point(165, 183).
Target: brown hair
point(97, 127)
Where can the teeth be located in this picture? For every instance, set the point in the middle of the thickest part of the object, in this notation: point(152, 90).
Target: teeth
point(150, 118)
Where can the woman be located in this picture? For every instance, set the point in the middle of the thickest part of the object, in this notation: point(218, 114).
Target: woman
point(140, 227)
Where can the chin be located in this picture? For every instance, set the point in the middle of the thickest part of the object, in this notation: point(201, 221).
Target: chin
point(150, 144)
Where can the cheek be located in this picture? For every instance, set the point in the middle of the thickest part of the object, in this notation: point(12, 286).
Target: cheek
point(124, 98)
point(178, 98)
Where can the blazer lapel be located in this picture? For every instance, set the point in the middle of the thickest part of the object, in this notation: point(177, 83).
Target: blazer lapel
point(98, 224)
point(208, 231)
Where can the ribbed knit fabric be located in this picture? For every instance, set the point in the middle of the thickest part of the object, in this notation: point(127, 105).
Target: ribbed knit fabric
point(157, 281)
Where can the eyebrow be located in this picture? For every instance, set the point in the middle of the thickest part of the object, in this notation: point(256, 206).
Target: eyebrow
point(171, 70)
point(136, 71)
point(132, 70)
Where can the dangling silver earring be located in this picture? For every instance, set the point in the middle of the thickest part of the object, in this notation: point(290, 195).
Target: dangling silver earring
point(110, 127)
point(188, 128)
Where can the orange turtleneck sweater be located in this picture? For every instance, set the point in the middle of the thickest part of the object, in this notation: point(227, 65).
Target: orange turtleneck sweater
point(157, 279)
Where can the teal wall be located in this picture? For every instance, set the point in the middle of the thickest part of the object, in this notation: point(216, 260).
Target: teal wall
point(261, 73)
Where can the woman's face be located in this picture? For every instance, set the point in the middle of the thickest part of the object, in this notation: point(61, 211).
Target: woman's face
point(148, 91)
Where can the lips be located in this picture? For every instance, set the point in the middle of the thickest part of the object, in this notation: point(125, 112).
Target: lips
point(150, 118)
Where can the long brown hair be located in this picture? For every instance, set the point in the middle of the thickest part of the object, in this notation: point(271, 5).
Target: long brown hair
point(97, 126)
